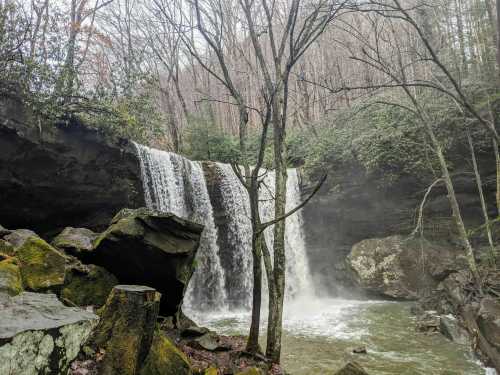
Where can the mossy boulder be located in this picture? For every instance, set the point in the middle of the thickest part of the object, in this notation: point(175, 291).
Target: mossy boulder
point(19, 236)
point(41, 265)
point(352, 368)
point(165, 358)
point(10, 277)
point(87, 285)
point(146, 247)
point(211, 371)
point(75, 241)
point(6, 248)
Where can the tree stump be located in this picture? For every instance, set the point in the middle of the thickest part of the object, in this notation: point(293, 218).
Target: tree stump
point(125, 331)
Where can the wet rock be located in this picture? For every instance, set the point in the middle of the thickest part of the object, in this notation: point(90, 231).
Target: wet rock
point(451, 329)
point(41, 265)
point(150, 248)
point(428, 322)
point(125, 332)
point(75, 241)
point(39, 335)
point(489, 320)
point(87, 285)
point(10, 277)
point(399, 267)
point(360, 350)
point(352, 368)
point(165, 359)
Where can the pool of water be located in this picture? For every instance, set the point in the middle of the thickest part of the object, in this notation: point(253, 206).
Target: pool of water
point(319, 336)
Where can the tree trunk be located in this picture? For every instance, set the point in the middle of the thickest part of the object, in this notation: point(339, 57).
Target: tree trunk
point(452, 198)
point(125, 331)
point(481, 196)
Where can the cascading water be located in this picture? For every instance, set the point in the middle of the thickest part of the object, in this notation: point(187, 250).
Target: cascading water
point(175, 184)
point(223, 277)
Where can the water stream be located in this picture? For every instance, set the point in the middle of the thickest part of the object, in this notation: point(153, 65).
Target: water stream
point(319, 333)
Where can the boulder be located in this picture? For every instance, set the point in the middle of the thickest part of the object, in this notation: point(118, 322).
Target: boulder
point(126, 329)
point(352, 368)
point(75, 241)
point(150, 248)
point(10, 277)
point(87, 285)
point(17, 237)
point(39, 335)
point(3, 231)
point(211, 342)
point(400, 267)
point(41, 265)
point(451, 329)
point(211, 371)
point(489, 320)
point(165, 359)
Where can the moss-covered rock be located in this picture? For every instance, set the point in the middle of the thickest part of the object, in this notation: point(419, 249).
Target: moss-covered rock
point(165, 359)
point(41, 265)
point(10, 277)
point(6, 248)
point(75, 241)
point(19, 236)
point(88, 285)
point(211, 371)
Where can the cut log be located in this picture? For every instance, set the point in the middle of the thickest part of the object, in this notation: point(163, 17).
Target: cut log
point(126, 329)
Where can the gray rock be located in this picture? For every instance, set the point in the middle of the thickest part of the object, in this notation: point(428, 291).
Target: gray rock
point(399, 267)
point(19, 236)
point(451, 329)
point(489, 320)
point(150, 248)
point(210, 342)
point(352, 368)
point(75, 241)
point(39, 335)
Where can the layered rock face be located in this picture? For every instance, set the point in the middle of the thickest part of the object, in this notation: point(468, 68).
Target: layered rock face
point(57, 176)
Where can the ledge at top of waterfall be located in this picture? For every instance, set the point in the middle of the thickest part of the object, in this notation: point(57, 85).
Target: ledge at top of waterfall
point(223, 275)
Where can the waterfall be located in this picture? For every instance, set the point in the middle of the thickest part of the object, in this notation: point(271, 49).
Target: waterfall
point(175, 184)
point(223, 277)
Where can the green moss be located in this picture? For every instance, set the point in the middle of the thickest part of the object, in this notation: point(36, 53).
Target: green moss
point(10, 277)
point(42, 266)
point(211, 371)
point(165, 359)
point(6, 248)
point(88, 289)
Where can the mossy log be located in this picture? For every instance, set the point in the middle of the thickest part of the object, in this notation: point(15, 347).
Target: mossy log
point(126, 329)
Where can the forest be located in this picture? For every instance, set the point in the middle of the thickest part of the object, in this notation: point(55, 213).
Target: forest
point(250, 187)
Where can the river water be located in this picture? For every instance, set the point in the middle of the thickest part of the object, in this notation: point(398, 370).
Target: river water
point(321, 333)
